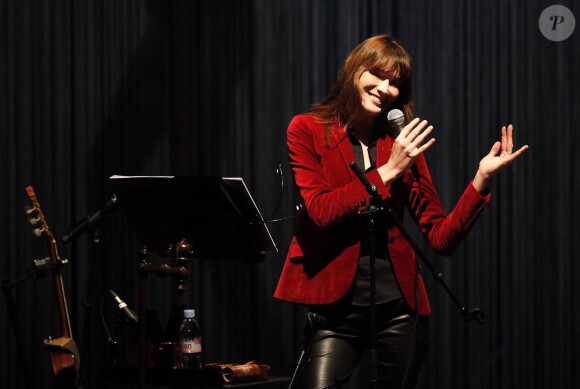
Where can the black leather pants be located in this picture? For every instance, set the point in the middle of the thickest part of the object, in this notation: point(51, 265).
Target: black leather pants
point(338, 343)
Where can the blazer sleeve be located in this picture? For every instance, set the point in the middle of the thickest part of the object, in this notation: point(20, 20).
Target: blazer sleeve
point(443, 231)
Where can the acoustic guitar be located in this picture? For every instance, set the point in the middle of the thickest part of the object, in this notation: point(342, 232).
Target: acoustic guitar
point(64, 352)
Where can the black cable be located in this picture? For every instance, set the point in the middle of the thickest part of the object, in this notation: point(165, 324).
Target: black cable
point(104, 322)
point(299, 211)
point(280, 173)
point(299, 208)
point(313, 322)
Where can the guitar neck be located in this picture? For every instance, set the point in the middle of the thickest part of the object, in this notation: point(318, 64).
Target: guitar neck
point(66, 331)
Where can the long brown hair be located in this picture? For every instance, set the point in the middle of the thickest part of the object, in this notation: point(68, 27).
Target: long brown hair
point(344, 101)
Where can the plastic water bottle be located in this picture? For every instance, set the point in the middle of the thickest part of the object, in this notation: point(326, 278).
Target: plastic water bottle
point(190, 341)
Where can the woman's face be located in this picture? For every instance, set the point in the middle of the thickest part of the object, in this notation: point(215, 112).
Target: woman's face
point(379, 89)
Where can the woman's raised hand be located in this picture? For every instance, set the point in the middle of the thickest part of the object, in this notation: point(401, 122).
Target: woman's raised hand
point(500, 156)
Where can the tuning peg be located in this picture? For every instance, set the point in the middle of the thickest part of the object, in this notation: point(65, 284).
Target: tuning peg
point(37, 232)
point(28, 209)
point(33, 220)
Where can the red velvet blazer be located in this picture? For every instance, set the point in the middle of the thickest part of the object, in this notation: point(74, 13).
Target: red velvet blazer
point(324, 252)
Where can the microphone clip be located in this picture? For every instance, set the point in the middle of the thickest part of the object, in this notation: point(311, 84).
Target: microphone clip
point(89, 223)
point(376, 201)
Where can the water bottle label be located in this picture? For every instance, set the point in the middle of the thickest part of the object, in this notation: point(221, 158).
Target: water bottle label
point(191, 346)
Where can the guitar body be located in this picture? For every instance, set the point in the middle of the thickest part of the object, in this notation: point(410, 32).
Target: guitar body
point(64, 352)
point(64, 355)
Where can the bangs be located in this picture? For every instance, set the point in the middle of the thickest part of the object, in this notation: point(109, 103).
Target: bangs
point(393, 60)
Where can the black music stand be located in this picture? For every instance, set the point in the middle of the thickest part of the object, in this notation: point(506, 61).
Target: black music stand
point(216, 216)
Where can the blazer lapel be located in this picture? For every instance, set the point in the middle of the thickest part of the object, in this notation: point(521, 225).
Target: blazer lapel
point(345, 149)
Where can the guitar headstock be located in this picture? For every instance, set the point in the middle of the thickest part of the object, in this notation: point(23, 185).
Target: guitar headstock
point(36, 218)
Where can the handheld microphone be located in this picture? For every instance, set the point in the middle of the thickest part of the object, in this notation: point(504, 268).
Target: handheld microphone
point(127, 312)
point(396, 120)
point(90, 221)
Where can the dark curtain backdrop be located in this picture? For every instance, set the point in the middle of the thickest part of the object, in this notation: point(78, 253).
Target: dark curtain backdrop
point(92, 88)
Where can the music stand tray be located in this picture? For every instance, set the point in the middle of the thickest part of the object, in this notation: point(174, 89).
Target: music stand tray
point(216, 215)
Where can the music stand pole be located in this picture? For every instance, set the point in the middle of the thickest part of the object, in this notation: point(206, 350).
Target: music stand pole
point(143, 293)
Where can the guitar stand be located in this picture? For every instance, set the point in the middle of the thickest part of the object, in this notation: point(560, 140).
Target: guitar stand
point(36, 272)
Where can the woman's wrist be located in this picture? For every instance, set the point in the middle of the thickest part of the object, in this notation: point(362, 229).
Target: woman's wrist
point(387, 175)
point(480, 182)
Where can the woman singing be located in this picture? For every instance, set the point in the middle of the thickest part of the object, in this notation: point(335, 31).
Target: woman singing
point(327, 267)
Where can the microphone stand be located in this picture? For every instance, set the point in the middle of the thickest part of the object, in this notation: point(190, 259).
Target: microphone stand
point(370, 211)
point(90, 225)
point(377, 204)
point(91, 222)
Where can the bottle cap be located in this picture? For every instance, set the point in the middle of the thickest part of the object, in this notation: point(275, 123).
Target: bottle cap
point(188, 313)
